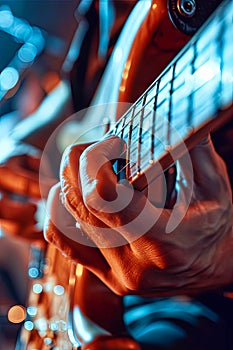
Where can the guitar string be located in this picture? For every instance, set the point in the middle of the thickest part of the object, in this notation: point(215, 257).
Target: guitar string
point(154, 86)
point(151, 88)
point(179, 124)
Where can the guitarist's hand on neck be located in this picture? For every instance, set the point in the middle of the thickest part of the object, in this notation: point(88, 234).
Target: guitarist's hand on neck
point(140, 251)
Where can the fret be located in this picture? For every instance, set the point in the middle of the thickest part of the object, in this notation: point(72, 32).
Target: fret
point(181, 79)
point(159, 136)
point(184, 61)
point(207, 54)
point(186, 96)
point(180, 131)
point(190, 114)
point(147, 128)
point(180, 109)
point(151, 94)
point(129, 141)
point(163, 94)
point(154, 124)
point(162, 120)
point(165, 79)
point(209, 34)
point(140, 133)
point(147, 124)
point(133, 167)
point(170, 106)
point(123, 131)
point(117, 127)
point(204, 104)
point(129, 115)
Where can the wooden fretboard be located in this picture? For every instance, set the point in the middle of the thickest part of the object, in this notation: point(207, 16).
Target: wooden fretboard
point(193, 95)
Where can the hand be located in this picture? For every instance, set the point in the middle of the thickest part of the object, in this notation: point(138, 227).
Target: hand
point(19, 185)
point(130, 260)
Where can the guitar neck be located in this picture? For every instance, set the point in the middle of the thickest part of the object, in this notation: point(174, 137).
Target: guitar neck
point(193, 95)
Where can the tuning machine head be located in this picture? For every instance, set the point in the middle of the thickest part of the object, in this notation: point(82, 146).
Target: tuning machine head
point(189, 15)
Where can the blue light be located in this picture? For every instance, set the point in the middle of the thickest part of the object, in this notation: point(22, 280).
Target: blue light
point(8, 78)
point(6, 17)
point(28, 325)
point(27, 53)
point(33, 272)
point(37, 288)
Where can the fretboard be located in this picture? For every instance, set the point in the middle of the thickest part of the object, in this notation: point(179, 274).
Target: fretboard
point(193, 95)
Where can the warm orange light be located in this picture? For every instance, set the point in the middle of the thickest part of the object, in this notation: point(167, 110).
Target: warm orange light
point(17, 314)
point(50, 81)
point(79, 270)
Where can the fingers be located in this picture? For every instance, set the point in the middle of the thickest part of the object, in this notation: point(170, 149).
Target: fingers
point(118, 205)
point(73, 197)
point(96, 169)
point(60, 229)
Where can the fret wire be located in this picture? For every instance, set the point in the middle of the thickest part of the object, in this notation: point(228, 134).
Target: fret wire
point(140, 133)
point(152, 148)
point(189, 96)
point(143, 97)
point(129, 144)
point(133, 149)
point(129, 164)
point(123, 124)
point(170, 106)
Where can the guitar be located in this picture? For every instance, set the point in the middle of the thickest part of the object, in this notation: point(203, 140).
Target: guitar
point(191, 97)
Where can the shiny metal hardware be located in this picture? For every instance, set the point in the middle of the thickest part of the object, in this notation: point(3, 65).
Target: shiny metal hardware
point(187, 8)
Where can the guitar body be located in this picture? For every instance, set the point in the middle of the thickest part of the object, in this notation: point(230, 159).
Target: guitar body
point(155, 45)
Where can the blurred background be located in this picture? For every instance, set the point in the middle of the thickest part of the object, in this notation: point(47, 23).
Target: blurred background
point(35, 36)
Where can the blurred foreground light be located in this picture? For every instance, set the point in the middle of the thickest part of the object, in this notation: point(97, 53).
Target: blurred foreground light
point(22, 31)
point(8, 78)
point(58, 290)
point(37, 288)
point(33, 272)
point(27, 53)
point(32, 311)
point(16, 314)
point(79, 270)
point(28, 325)
point(6, 17)
point(48, 341)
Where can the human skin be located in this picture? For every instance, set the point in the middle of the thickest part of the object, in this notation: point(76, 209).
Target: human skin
point(195, 256)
